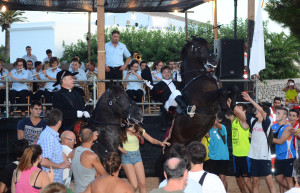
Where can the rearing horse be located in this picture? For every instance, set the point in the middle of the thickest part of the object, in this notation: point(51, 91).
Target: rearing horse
point(113, 110)
point(202, 89)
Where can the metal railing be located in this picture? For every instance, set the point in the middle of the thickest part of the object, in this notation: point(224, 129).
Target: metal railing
point(7, 81)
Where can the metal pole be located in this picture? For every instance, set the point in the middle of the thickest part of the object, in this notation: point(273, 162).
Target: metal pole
point(235, 17)
point(6, 99)
point(89, 36)
point(186, 26)
point(251, 15)
point(215, 20)
point(94, 92)
point(101, 48)
point(256, 99)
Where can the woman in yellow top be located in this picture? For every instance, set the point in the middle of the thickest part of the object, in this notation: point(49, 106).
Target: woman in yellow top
point(291, 92)
point(131, 156)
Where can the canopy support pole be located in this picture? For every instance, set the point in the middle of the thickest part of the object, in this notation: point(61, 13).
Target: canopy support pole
point(186, 25)
point(101, 46)
point(251, 15)
point(215, 20)
point(89, 36)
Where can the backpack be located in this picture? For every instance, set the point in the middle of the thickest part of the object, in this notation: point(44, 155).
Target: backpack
point(269, 137)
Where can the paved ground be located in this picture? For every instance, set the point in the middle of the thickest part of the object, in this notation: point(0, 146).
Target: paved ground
point(152, 182)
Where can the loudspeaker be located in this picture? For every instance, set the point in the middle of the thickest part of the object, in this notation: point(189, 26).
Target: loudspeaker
point(230, 57)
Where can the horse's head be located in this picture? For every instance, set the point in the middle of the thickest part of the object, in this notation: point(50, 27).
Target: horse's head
point(117, 103)
point(197, 58)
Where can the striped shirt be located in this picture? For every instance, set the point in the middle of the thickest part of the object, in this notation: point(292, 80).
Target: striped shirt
point(52, 150)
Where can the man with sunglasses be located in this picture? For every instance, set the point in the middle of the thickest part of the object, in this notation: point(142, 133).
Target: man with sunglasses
point(68, 100)
point(68, 140)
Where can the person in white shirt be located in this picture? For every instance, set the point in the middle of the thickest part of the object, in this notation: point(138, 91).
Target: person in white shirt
point(114, 52)
point(80, 76)
point(50, 74)
point(211, 183)
point(259, 152)
point(19, 88)
point(81, 64)
point(68, 140)
point(134, 89)
point(180, 151)
point(49, 56)
point(29, 56)
point(3, 74)
point(296, 166)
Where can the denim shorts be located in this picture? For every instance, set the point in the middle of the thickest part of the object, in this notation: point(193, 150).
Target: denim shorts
point(131, 157)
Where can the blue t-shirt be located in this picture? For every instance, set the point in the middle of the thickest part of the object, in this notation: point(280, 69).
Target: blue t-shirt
point(218, 149)
point(285, 150)
point(31, 132)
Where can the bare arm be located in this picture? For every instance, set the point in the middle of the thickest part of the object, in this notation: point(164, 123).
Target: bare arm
point(285, 89)
point(13, 181)
point(20, 134)
point(88, 189)
point(125, 64)
point(296, 88)
point(127, 61)
point(126, 78)
point(259, 108)
point(97, 165)
point(285, 135)
point(154, 141)
point(122, 150)
point(48, 164)
point(230, 117)
point(138, 76)
point(2, 187)
point(218, 125)
point(154, 75)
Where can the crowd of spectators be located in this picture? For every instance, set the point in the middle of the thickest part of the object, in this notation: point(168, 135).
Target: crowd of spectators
point(50, 161)
point(29, 68)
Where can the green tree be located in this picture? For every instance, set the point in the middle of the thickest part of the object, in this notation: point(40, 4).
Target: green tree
point(286, 12)
point(281, 52)
point(6, 19)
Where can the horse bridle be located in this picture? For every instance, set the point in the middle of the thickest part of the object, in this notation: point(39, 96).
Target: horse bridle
point(201, 110)
point(200, 76)
point(126, 112)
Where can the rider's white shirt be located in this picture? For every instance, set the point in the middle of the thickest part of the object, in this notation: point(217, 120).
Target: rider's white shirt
point(170, 84)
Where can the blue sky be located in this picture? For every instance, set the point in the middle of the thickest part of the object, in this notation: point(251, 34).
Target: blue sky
point(202, 13)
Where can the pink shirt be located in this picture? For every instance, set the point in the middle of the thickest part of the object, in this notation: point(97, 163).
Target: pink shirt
point(23, 186)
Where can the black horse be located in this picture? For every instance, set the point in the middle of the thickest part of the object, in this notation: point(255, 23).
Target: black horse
point(113, 111)
point(202, 89)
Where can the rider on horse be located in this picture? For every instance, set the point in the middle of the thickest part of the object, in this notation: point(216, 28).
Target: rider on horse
point(166, 92)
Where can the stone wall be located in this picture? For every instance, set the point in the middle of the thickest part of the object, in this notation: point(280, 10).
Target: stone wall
point(269, 89)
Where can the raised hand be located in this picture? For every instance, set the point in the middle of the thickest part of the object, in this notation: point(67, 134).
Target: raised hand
point(246, 96)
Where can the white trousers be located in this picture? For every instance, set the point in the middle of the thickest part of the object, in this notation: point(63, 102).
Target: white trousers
point(171, 101)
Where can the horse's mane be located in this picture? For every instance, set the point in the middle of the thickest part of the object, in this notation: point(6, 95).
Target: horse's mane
point(98, 110)
point(101, 107)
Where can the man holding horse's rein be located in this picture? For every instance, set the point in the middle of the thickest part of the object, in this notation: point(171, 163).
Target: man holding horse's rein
point(166, 92)
point(68, 100)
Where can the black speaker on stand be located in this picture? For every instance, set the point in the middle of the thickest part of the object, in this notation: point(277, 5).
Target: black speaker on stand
point(230, 57)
